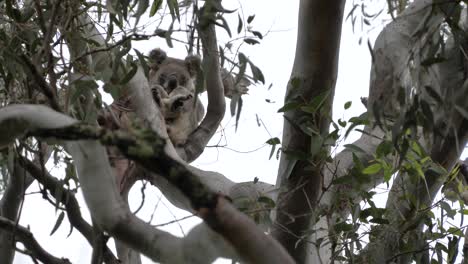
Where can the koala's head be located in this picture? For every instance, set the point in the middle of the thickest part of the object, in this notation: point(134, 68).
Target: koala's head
point(171, 73)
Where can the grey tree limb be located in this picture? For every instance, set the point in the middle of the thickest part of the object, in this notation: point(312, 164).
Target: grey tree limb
point(19, 180)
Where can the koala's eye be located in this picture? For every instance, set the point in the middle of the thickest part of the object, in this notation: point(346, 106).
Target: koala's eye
point(182, 81)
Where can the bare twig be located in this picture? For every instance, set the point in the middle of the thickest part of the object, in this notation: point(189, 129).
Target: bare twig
point(24, 236)
point(71, 204)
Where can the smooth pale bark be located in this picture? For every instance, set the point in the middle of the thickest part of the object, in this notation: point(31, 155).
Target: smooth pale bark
point(391, 55)
point(444, 148)
point(110, 212)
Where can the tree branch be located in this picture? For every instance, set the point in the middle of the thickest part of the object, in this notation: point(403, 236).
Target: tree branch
point(68, 199)
point(12, 198)
point(199, 138)
point(24, 236)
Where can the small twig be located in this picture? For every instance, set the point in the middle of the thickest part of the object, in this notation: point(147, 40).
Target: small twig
point(71, 204)
point(24, 236)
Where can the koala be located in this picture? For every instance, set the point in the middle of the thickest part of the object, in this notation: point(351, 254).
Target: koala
point(172, 84)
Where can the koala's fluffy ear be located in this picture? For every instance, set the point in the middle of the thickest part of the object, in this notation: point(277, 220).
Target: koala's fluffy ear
point(193, 63)
point(157, 56)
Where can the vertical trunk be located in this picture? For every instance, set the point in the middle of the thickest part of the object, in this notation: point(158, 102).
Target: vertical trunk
point(314, 74)
point(10, 203)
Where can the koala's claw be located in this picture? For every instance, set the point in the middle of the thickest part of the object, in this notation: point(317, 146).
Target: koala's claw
point(179, 102)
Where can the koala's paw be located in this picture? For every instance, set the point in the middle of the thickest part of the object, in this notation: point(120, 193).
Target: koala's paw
point(178, 103)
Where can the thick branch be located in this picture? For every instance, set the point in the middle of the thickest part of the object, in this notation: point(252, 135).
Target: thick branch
point(12, 198)
point(199, 138)
point(110, 212)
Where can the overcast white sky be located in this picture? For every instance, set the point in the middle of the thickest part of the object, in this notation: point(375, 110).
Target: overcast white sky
point(245, 155)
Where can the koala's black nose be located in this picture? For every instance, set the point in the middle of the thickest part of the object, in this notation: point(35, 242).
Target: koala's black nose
point(172, 83)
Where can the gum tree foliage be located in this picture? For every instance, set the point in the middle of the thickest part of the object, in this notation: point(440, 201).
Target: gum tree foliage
point(55, 54)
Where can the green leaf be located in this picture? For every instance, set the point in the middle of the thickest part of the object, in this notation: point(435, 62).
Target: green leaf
point(233, 103)
point(273, 148)
point(113, 90)
point(379, 221)
point(257, 34)
point(142, 6)
point(155, 7)
point(347, 105)
point(455, 231)
point(251, 41)
point(343, 227)
point(239, 25)
point(143, 62)
point(257, 73)
point(273, 141)
point(239, 109)
point(225, 25)
point(354, 148)
point(289, 106)
point(316, 103)
point(112, 6)
point(384, 148)
point(316, 144)
point(174, 9)
point(58, 195)
point(342, 123)
point(133, 70)
point(372, 169)
point(58, 223)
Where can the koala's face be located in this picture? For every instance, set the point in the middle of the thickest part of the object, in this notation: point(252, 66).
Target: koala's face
point(172, 73)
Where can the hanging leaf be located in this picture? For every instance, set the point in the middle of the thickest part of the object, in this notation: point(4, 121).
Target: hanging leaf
point(256, 73)
point(133, 70)
point(250, 19)
point(174, 9)
point(273, 141)
point(372, 169)
point(251, 41)
point(155, 7)
point(257, 34)
point(142, 6)
point(347, 105)
point(289, 107)
point(224, 24)
point(143, 62)
point(57, 223)
point(240, 24)
point(233, 104)
point(239, 109)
